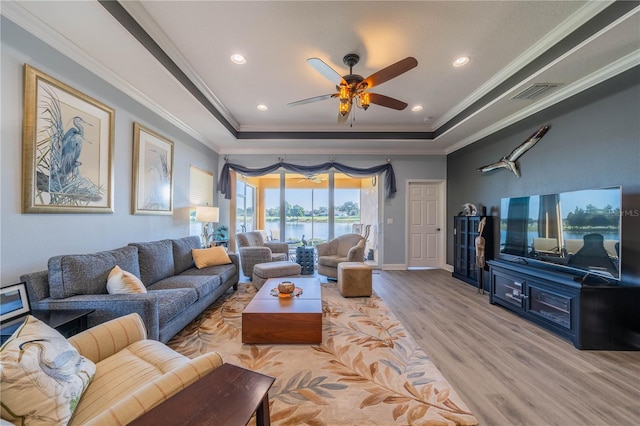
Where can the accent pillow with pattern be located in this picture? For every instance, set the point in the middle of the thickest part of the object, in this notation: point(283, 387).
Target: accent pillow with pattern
point(43, 376)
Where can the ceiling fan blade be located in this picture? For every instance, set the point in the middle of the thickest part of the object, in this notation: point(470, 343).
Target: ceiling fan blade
point(386, 101)
point(389, 72)
point(314, 99)
point(324, 69)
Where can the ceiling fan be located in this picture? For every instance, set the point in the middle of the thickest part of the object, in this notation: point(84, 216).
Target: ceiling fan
point(311, 178)
point(353, 87)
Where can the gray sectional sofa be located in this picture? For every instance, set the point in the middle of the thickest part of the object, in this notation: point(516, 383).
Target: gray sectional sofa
point(176, 290)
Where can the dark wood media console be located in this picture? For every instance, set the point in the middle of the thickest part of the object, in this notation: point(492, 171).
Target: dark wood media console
point(592, 316)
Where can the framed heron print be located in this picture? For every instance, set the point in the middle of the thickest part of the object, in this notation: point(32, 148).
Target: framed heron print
point(67, 148)
point(152, 172)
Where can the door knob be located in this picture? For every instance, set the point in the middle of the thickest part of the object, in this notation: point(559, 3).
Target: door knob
point(437, 229)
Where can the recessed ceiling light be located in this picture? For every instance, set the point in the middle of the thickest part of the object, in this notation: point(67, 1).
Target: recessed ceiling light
point(237, 58)
point(262, 107)
point(417, 108)
point(464, 60)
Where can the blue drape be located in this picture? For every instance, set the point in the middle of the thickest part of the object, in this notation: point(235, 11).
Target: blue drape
point(389, 183)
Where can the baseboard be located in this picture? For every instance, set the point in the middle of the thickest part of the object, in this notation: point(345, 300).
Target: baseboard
point(404, 267)
point(394, 267)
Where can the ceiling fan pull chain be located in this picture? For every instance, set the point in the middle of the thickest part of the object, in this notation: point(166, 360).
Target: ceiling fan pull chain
point(353, 118)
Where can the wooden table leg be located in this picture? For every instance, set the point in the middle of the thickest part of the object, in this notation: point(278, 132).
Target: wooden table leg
point(263, 417)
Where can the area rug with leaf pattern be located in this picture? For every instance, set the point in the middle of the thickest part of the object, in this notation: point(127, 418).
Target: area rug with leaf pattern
point(368, 370)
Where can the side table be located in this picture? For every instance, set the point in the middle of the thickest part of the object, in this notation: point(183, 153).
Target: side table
point(66, 321)
point(216, 243)
point(305, 257)
point(229, 395)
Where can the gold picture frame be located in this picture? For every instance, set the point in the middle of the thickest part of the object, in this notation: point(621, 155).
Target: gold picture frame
point(67, 148)
point(152, 172)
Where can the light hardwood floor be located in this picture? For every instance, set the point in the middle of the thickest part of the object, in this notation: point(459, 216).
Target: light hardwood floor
point(507, 370)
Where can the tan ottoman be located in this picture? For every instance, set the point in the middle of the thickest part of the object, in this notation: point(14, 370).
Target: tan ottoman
point(263, 271)
point(354, 279)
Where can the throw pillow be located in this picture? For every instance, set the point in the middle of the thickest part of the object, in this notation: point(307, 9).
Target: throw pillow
point(123, 282)
point(43, 376)
point(210, 257)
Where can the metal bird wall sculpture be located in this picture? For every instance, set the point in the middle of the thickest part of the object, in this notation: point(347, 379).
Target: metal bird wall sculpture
point(509, 162)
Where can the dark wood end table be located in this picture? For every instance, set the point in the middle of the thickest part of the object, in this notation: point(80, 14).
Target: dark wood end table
point(229, 395)
point(66, 321)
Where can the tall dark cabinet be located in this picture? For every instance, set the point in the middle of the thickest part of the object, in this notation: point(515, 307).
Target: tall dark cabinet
point(465, 231)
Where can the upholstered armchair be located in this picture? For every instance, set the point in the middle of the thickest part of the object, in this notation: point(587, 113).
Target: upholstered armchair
point(345, 248)
point(253, 249)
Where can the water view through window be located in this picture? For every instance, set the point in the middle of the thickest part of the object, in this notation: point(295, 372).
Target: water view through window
point(307, 209)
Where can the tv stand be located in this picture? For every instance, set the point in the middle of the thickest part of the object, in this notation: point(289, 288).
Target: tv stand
point(603, 316)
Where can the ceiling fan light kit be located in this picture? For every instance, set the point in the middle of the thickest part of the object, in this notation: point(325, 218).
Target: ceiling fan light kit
point(352, 87)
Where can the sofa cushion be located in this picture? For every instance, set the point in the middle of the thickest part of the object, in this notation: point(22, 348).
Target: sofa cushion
point(121, 374)
point(225, 272)
point(279, 257)
point(201, 284)
point(156, 260)
point(123, 282)
point(182, 257)
point(331, 261)
point(74, 274)
point(43, 376)
point(213, 256)
point(172, 302)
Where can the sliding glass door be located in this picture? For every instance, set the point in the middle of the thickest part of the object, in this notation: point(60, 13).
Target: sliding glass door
point(245, 206)
point(306, 201)
point(292, 207)
point(346, 205)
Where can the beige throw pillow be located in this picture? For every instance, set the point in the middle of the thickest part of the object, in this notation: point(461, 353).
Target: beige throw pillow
point(123, 282)
point(43, 376)
point(210, 257)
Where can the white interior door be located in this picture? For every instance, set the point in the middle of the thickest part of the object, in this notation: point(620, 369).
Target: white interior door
point(425, 225)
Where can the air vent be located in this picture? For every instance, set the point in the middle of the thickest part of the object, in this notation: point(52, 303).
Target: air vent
point(536, 90)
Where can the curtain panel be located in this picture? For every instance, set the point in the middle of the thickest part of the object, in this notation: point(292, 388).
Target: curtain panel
point(389, 182)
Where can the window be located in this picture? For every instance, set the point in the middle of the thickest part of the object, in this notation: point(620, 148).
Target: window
point(245, 206)
point(318, 207)
point(306, 208)
point(200, 194)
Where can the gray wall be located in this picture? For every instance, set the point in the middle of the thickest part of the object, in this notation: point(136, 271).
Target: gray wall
point(594, 142)
point(28, 240)
point(405, 168)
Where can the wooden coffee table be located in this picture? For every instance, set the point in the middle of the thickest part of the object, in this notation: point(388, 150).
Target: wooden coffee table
point(272, 319)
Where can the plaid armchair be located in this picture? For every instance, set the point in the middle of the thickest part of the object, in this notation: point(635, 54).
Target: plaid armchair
point(254, 249)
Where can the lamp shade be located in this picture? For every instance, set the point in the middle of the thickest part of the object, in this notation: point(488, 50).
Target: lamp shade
point(207, 214)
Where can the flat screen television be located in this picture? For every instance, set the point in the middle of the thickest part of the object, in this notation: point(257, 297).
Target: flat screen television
point(578, 231)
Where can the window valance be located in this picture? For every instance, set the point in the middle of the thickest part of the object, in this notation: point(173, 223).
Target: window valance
point(389, 182)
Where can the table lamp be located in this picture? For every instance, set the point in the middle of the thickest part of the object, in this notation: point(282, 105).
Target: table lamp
point(206, 215)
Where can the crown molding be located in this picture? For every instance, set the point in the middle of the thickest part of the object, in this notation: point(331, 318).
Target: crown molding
point(623, 64)
point(585, 13)
point(140, 14)
point(40, 29)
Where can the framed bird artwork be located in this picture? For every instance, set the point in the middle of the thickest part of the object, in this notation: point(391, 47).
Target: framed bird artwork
point(509, 161)
point(152, 172)
point(67, 143)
